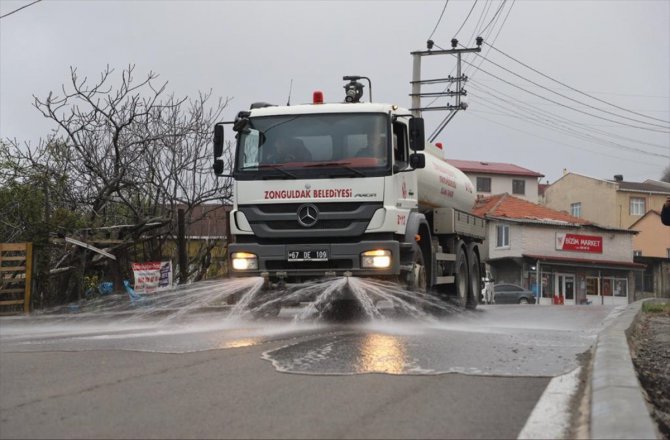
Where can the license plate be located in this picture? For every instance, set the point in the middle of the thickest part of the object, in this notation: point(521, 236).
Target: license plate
point(310, 255)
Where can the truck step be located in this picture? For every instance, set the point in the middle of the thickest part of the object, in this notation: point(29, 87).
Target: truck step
point(445, 280)
point(441, 256)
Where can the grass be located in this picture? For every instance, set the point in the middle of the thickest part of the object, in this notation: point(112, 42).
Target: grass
point(656, 307)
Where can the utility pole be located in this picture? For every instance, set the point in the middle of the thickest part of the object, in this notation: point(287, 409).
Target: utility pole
point(459, 80)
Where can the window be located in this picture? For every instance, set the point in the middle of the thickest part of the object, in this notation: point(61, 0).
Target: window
point(502, 236)
point(400, 143)
point(637, 253)
point(637, 206)
point(484, 184)
point(518, 186)
point(576, 209)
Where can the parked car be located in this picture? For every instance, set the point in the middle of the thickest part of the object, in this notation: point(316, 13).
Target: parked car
point(512, 294)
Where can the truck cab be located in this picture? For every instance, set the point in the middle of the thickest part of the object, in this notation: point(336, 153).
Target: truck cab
point(321, 189)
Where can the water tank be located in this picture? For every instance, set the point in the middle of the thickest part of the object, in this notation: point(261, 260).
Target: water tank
point(441, 185)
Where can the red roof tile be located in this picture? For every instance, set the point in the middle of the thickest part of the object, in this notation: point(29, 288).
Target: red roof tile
point(507, 206)
point(472, 166)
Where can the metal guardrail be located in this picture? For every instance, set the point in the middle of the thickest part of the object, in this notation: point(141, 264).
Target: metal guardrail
point(16, 268)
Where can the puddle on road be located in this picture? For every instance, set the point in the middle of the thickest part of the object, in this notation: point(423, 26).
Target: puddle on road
point(392, 334)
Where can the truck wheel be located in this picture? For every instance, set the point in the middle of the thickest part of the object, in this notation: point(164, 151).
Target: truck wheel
point(475, 276)
point(459, 290)
point(416, 277)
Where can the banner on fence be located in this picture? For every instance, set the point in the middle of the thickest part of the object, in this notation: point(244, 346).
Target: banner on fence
point(153, 276)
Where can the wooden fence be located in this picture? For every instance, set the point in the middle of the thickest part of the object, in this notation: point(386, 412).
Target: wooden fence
point(16, 261)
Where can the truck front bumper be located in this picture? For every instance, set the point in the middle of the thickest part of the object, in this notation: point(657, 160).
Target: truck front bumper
point(343, 259)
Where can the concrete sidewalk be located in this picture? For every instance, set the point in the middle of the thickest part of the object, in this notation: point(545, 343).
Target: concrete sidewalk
point(618, 406)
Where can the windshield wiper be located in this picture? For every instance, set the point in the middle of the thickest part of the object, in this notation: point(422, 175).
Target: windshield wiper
point(339, 164)
point(273, 166)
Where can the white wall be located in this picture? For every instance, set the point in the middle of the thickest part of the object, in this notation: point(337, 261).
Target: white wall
point(541, 240)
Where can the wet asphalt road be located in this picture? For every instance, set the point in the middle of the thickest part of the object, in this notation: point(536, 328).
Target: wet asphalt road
point(473, 375)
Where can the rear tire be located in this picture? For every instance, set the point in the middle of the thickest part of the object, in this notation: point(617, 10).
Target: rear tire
point(523, 301)
point(459, 289)
point(474, 277)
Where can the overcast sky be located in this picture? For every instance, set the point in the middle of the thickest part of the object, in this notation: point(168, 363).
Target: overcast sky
point(616, 51)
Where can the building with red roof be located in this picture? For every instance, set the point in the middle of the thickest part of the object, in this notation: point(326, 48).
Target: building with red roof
point(575, 259)
point(490, 178)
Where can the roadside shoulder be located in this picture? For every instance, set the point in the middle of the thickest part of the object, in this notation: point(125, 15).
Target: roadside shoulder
point(618, 408)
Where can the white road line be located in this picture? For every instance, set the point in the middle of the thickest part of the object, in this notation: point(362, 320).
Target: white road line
point(551, 416)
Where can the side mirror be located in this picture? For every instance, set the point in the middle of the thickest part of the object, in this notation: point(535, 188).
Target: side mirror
point(218, 149)
point(417, 160)
point(417, 137)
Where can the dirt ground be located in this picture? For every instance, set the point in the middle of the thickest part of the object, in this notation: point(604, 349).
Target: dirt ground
point(651, 356)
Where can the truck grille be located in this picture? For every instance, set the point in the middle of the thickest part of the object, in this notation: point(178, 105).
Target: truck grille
point(334, 219)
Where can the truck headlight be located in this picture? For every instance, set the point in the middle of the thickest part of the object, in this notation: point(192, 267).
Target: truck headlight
point(244, 261)
point(377, 259)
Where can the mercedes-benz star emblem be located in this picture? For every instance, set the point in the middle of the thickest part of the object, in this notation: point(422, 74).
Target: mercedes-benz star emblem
point(308, 215)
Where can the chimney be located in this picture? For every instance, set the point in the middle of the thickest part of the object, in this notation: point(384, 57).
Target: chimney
point(618, 177)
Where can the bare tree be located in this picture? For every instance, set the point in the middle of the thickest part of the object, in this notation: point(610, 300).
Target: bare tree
point(128, 153)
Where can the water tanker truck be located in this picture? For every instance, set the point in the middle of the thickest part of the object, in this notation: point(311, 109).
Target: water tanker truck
point(349, 189)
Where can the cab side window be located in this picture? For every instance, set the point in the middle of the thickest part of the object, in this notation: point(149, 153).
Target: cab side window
point(400, 144)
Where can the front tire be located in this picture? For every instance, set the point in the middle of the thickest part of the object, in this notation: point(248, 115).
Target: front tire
point(416, 279)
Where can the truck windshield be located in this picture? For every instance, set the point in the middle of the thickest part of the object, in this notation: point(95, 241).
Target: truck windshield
point(314, 145)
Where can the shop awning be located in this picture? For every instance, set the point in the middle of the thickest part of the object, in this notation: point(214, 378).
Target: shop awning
point(587, 262)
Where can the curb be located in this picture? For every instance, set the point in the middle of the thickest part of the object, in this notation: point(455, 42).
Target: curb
point(618, 407)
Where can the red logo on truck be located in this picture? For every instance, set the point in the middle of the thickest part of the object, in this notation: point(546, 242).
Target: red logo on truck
point(340, 193)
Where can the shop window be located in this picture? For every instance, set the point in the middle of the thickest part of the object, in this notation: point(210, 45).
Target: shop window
point(620, 287)
point(637, 206)
point(518, 187)
point(606, 288)
point(591, 286)
point(576, 209)
point(484, 184)
point(502, 236)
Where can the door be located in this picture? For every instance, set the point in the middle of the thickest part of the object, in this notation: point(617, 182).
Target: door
point(565, 287)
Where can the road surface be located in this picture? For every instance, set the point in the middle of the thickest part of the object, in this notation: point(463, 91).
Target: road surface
point(469, 375)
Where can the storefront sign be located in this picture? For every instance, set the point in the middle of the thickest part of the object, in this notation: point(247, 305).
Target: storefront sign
point(579, 243)
point(153, 276)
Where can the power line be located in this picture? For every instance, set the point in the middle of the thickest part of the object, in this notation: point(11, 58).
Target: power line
point(18, 9)
point(555, 141)
point(439, 19)
point(571, 131)
point(497, 33)
point(571, 99)
point(466, 18)
point(494, 17)
point(532, 108)
point(572, 88)
point(482, 15)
